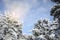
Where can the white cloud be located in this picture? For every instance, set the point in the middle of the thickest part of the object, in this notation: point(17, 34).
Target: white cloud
point(16, 9)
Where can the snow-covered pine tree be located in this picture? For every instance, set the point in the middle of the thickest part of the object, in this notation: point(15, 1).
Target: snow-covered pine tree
point(55, 11)
point(9, 29)
point(45, 30)
point(41, 30)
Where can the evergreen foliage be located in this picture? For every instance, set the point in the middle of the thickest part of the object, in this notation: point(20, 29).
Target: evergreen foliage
point(43, 29)
point(57, 1)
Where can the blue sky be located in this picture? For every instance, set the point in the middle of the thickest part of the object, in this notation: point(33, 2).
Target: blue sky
point(28, 11)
